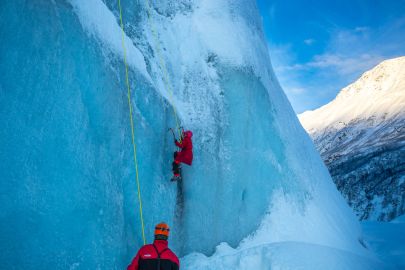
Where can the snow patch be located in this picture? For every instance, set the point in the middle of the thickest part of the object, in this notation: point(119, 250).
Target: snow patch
point(99, 21)
point(378, 93)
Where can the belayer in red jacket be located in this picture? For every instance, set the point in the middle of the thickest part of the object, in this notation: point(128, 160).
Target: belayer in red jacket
point(185, 155)
point(156, 256)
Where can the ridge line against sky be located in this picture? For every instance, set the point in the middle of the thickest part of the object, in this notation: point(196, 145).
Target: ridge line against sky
point(319, 47)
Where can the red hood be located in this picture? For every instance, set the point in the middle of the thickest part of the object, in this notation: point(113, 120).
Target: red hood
point(188, 133)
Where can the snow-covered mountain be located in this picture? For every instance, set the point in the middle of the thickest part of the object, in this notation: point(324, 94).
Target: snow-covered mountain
point(68, 192)
point(361, 137)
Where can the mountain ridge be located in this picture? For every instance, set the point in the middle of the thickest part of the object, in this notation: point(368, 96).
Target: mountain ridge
point(361, 138)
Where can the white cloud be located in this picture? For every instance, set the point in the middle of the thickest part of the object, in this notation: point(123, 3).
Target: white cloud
point(282, 58)
point(344, 64)
point(295, 90)
point(309, 41)
point(361, 29)
point(347, 54)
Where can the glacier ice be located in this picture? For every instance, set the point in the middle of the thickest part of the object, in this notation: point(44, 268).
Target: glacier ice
point(68, 192)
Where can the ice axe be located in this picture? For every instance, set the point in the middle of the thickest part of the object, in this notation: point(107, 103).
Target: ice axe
point(174, 136)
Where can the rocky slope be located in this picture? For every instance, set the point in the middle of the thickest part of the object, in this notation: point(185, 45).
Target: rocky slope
point(361, 138)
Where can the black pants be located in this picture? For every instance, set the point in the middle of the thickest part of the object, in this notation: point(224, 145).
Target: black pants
point(175, 166)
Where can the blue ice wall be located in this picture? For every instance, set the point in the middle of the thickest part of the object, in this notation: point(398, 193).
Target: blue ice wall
point(68, 190)
point(67, 179)
point(240, 169)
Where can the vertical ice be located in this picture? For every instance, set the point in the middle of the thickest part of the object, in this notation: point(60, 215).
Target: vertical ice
point(68, 191)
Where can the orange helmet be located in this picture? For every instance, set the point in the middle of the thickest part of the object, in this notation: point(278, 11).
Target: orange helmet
point(162, 231)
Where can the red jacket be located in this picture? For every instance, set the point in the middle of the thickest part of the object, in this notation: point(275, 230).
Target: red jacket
point(149, 257)
point(186, 153)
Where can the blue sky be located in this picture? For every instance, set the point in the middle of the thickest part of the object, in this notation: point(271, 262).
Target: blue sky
point(319, 47)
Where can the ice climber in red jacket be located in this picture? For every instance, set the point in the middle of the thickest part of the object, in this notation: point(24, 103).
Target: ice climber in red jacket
point(185, 155)
point(157, 255)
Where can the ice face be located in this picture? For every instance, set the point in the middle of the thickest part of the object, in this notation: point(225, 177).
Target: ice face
point(69, 195)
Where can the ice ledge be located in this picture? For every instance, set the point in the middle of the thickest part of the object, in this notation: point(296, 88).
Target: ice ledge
point(282, 255)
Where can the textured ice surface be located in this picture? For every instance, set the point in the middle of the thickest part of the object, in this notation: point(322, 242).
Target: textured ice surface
point(68, 191)
point(283, 256)
point(281, 245)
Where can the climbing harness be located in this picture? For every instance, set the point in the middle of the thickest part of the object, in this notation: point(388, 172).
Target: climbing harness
point(159, 255)
point(132, 124)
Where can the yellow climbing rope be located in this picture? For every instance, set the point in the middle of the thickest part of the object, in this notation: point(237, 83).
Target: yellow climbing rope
point(132, 124)
point(162, 65)
point(168, 87)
